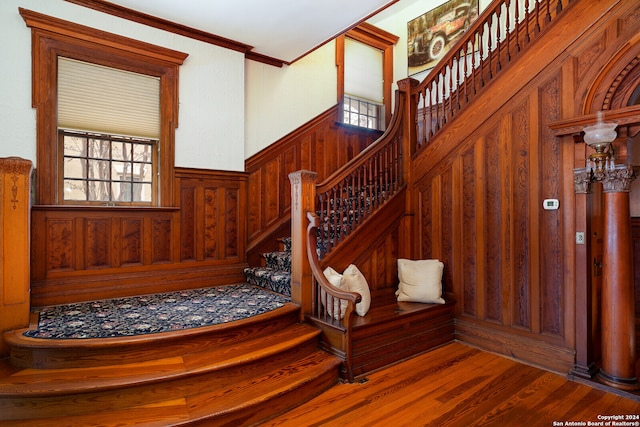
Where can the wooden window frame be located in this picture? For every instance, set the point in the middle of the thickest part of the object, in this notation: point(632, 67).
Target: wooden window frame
point(379, 39)
point(53, 37)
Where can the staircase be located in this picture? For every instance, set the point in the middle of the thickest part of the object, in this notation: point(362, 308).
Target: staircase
point(275, 274)
point(238, 373)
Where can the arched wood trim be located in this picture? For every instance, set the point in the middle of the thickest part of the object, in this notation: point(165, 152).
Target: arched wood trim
point(614, 86)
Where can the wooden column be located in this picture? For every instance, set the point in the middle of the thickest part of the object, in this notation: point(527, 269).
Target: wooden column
point(584, 366)
point(15, 184)
point(618, 316)
point(303, 200)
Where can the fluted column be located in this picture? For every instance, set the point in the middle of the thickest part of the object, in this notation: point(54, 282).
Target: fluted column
point(618, 316)
point(15, 210)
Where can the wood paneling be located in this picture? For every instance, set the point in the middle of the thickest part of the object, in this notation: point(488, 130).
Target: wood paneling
point(81, 253)
point(481, 186)
point(321, 145)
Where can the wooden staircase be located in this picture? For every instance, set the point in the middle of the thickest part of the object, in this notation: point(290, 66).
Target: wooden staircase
point(232, 374)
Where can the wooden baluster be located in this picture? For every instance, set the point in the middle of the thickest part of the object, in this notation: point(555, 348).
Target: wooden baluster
point(482, 50)
point(489, 46)
point(558, 7)
point(429, 106)
point(517, 25)
point(498, 40)
point(508, 31)
point(548, 15)
point(458, 84)
point(537, 12)
point(527, 38)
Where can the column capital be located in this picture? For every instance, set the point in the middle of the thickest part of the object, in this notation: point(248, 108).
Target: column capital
point(617, 179)
point(582, 181)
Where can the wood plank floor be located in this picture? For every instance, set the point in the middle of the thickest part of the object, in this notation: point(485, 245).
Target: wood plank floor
point(458, 385)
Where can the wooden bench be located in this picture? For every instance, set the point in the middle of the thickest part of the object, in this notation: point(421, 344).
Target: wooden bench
point(391, 331)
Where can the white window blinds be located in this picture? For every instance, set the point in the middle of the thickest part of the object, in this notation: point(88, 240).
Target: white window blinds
point(362, 70)
point(107, 100)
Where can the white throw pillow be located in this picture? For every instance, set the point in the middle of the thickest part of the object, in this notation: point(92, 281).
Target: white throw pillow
point(420, 281)
point(335, 278)
point(354, 281)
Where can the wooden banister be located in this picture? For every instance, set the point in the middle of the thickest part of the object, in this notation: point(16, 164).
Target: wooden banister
point(494, 40)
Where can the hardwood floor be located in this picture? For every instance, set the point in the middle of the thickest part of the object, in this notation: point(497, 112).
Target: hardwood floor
point(458, 385)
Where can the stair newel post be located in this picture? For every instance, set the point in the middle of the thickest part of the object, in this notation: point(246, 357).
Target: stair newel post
point(409, 143)
point(15, 214)
point(303, 200)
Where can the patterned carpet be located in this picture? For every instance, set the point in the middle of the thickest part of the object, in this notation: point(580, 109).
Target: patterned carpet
point(156, 313)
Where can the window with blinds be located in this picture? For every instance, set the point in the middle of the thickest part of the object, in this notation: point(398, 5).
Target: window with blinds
point(109, 129)
point(363, 85)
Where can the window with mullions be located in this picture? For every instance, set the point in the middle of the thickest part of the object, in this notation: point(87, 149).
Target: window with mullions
point(366, 114)
point(107, 169)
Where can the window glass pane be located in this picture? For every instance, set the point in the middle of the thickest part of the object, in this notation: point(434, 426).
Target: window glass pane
point(120, 171)
point(121, 191)
point(98, 191)
point(120, 150)
point(99, 169)
point(75, 168)
point(75, 146)
point(75, 190)
point(141, 152)
point(99, 149)
point(142, 172)
point(141, 192)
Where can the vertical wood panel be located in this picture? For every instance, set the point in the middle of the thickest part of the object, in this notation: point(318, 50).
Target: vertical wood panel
point(232, 215)
point(254, 215)
point(161, 237)
point(521, 182)
point(271, 190)
point(131, 242)
point(493, 227)
point(446, 224)
point(60, 250)
point(211, 221)
point(550, 221)
point(187, 224)
point(96, 246)
point(469, 236)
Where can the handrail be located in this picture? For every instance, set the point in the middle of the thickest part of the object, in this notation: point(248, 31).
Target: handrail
point(328, 300)
point(356, 190)
point(490, 43)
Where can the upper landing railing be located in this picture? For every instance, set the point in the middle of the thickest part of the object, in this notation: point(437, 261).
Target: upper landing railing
point(494, 40)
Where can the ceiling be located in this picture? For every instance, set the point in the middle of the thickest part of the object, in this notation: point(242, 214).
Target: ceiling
point(281, 29)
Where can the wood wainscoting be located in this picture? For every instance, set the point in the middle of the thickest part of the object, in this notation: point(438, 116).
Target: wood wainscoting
point(84, 253)
point(322, 145)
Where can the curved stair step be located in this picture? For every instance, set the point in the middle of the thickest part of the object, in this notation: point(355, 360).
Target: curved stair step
point(27, 352)
point(239, 384)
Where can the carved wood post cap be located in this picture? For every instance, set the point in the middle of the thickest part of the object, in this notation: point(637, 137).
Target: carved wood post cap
point(303, 176)
point(582, 181)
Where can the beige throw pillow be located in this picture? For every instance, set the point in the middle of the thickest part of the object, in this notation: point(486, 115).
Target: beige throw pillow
point(335, 279)
point(354, 281)
point(420, 281)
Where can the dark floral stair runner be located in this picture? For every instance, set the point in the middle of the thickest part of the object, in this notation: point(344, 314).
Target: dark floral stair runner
point(148, 314)
point(275, 275)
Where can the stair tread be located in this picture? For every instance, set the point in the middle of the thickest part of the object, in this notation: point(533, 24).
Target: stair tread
point(266, 387)
point(38, 382)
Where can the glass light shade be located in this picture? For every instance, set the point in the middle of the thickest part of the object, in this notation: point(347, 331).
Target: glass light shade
point(600, 135)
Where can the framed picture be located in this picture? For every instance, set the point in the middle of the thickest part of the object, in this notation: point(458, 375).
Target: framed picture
point(430, 35)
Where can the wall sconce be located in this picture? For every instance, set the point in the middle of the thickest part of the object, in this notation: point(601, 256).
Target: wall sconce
point(599, 137)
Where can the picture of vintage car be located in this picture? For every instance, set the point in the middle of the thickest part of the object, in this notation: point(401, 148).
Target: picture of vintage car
point(431, 33)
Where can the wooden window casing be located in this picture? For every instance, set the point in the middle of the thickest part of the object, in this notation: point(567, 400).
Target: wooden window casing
point(53, 37)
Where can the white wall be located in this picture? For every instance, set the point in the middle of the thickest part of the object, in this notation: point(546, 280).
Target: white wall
point(211, 128)
point(279, 100)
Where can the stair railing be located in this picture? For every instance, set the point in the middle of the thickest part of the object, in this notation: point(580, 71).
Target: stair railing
point(494, 40)
point(500, 34)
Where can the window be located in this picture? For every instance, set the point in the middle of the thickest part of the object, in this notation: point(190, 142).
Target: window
point(131, 163)
point(97, 107)
point(107, 169)
point(362, 113)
